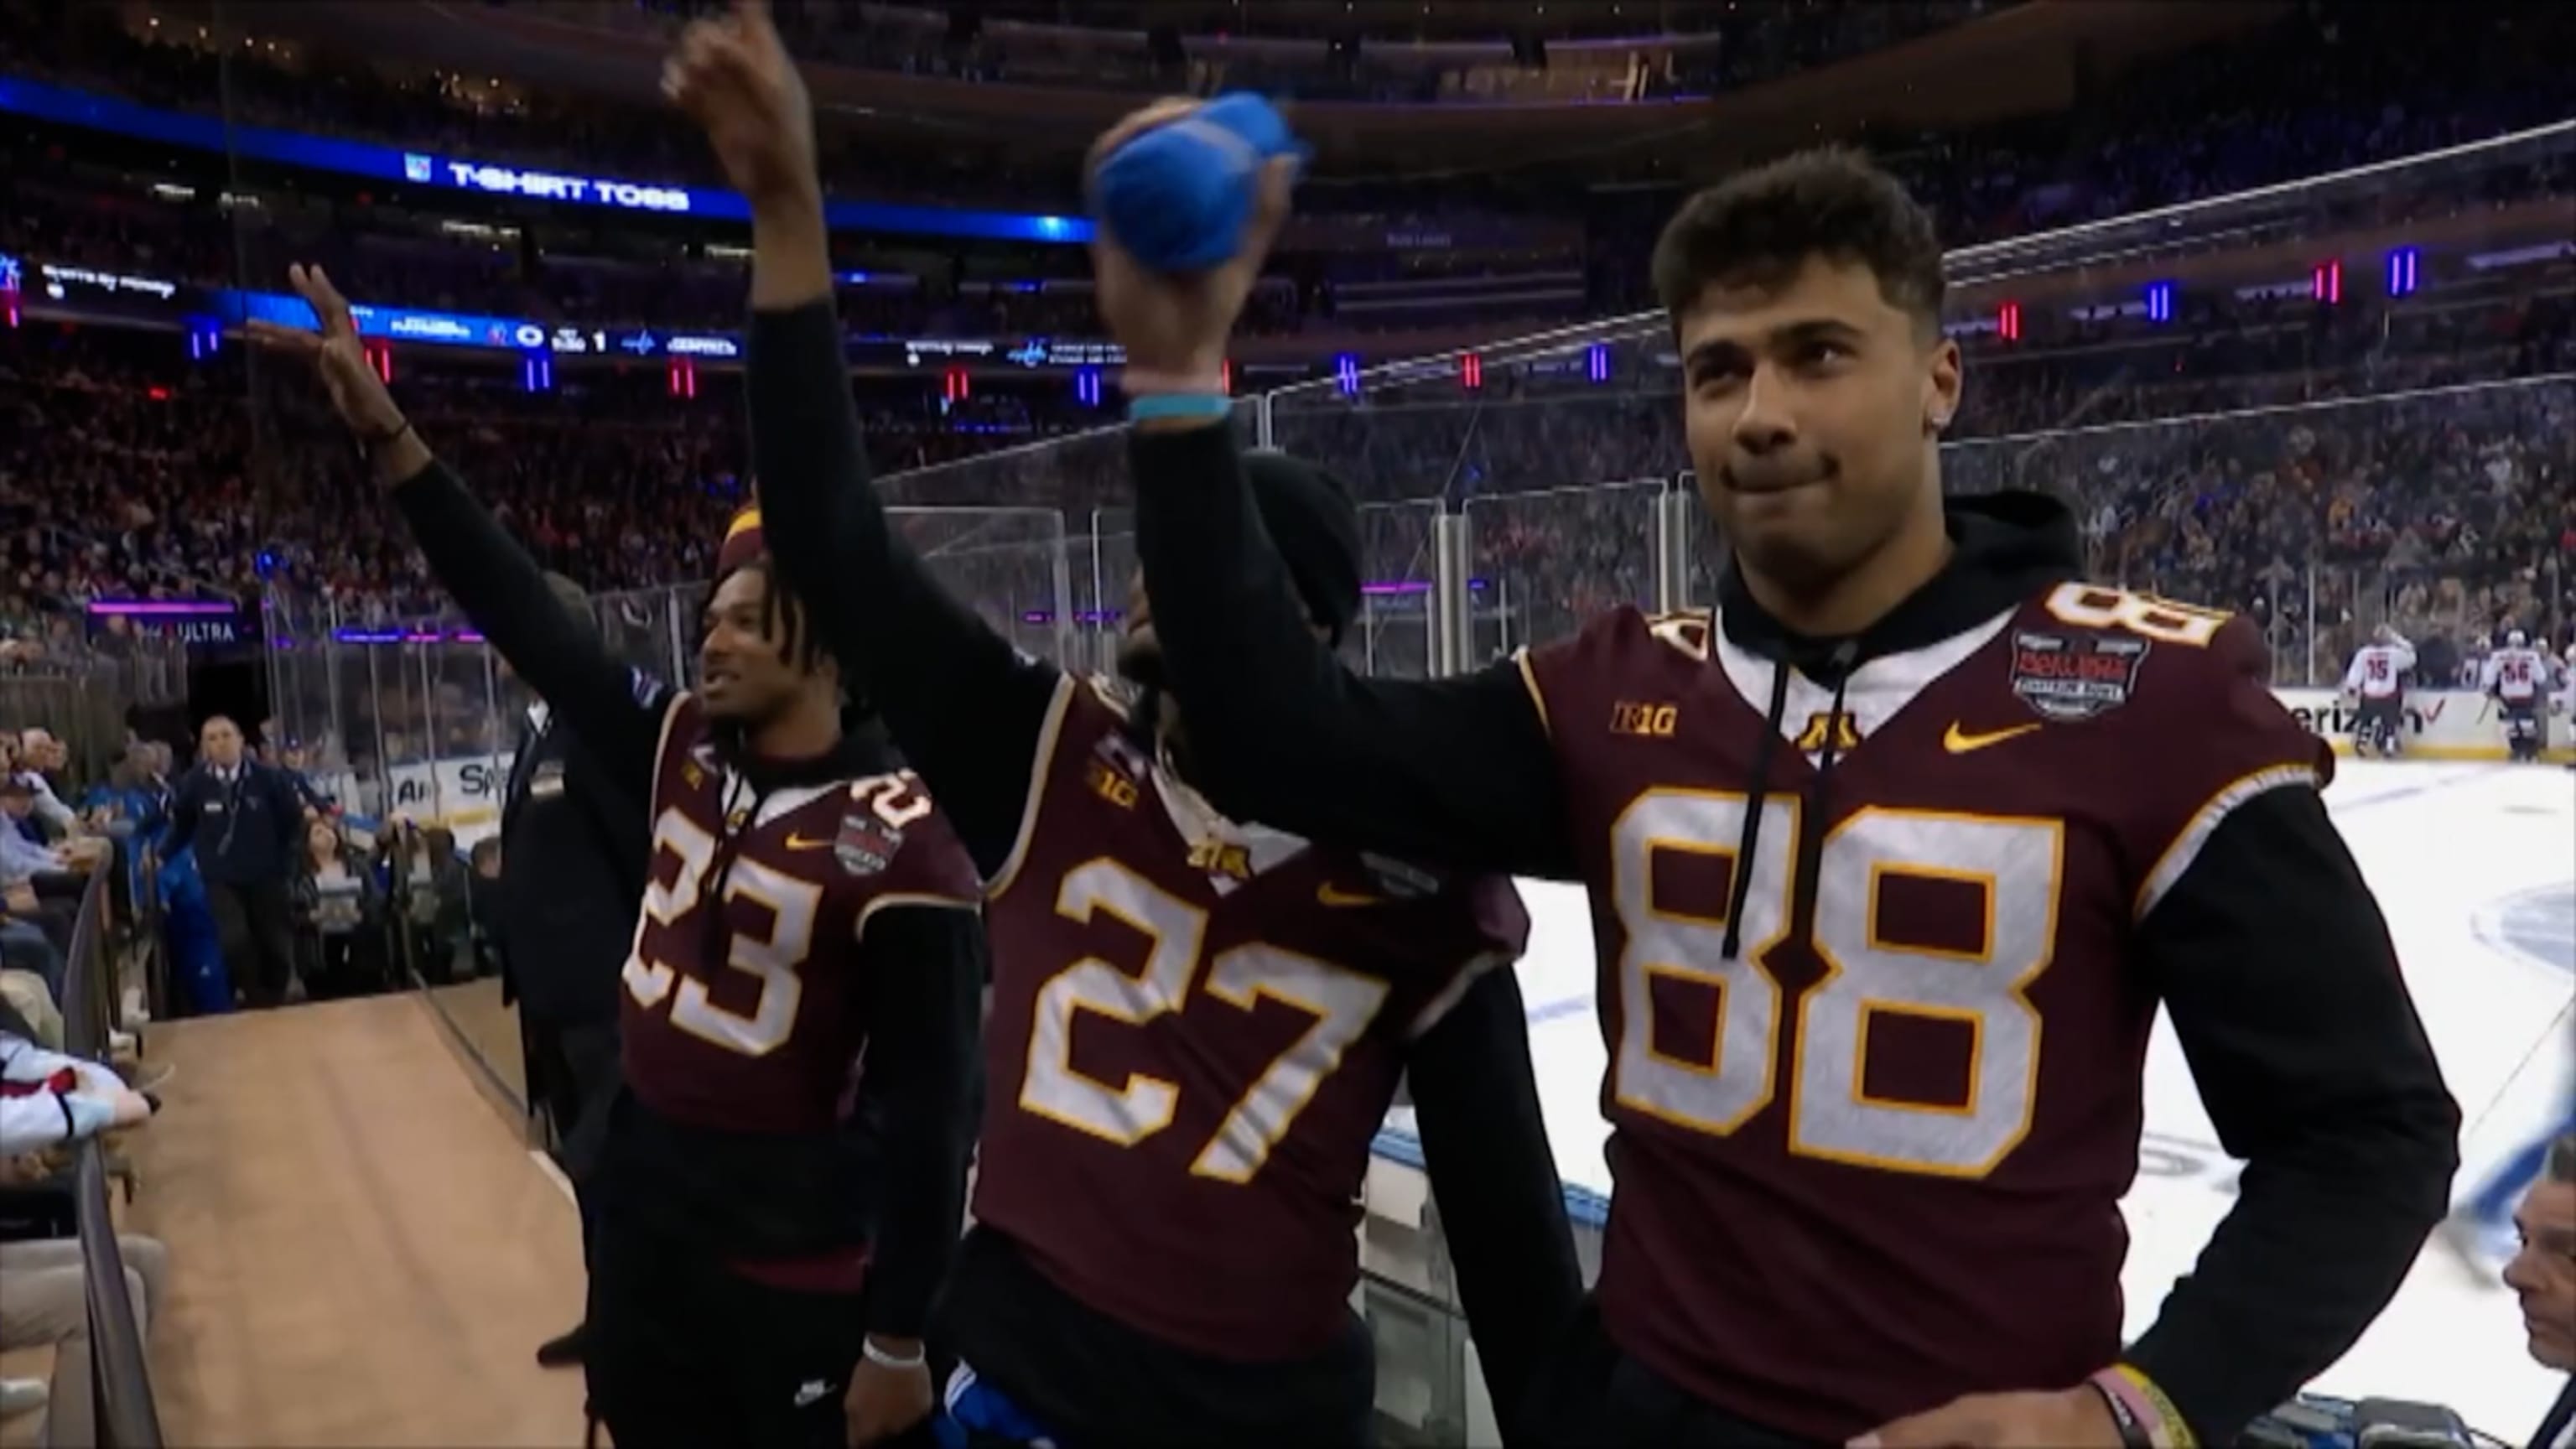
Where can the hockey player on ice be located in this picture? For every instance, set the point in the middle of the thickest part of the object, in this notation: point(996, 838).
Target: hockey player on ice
point(2517, 677)
point(2377, 682)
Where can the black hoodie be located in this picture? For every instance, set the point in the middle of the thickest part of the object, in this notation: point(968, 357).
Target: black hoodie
point(2270, 951)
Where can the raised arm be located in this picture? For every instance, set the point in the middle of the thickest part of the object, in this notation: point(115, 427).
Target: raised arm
point(966, 706)
point(475, 559)
point(1456, 772)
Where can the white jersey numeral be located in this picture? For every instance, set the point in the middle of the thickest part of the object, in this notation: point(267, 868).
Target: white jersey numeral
point(2015, 865)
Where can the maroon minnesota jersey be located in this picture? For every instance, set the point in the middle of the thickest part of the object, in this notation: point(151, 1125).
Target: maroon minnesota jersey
point(1862, 1171)
point(743, 1015)
point(1196, 1030)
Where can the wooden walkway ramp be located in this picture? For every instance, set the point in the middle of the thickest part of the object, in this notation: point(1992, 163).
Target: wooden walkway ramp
point(362, 1250)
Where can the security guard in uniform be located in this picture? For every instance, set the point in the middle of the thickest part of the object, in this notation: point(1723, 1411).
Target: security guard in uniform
point(574, 852)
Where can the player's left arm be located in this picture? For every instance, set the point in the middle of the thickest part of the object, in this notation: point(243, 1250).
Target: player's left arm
point(923, 960)
point(2268, 949)
point(1485, 1148)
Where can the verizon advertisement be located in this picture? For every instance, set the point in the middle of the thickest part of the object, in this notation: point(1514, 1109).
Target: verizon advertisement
point(2441, 724)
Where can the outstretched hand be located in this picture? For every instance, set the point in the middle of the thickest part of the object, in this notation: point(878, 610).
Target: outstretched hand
point(332, 348)
point(735, 79)
point(1174, 328)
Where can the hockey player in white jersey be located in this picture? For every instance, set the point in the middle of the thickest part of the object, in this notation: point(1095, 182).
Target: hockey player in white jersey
point(2377, 681)
point(2517, 676)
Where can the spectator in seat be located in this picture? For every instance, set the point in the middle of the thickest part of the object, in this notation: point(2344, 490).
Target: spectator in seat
point(34, 932)
point(483, 902)
point(25, 949)
point(2543, 1275)
point(39, 756)
point(48, 1100)
point(27, 1008)
point(295, 762)
point(245, 822)
point(430, 882)
point(339, 916)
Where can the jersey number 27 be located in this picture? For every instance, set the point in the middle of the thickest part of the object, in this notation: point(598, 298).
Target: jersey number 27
point(1342, 1003)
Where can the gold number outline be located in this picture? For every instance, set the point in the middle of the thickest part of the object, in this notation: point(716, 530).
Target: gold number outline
point(1241, 976)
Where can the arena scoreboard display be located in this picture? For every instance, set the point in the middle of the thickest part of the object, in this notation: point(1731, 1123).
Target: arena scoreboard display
point(74, 292)
point(66, 106)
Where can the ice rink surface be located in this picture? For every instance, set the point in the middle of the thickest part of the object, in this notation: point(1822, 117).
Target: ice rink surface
point(2475, 867)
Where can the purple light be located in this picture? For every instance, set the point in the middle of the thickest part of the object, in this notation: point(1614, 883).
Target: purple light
point(164, 608)
point(1401, 587)
point(406, 636)
point(1389, 588)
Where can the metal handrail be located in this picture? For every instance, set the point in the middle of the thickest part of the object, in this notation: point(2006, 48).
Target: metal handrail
point(120, 1374)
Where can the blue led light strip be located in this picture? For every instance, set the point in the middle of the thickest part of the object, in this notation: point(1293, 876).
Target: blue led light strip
point(69, 107)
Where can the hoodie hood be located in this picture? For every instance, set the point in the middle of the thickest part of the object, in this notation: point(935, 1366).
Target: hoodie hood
point(864, 749)
point(2005, 547)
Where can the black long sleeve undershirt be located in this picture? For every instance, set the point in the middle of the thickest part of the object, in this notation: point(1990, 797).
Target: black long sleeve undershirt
point(1485, 1149)
point(2270, 953)
point(964, 703)
point(2285, 994)
point(1453, 770)
point(504, 594)
point(925, 965)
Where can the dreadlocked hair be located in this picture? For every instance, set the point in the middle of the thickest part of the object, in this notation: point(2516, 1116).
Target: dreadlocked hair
point(803, 649)
point(804, 645)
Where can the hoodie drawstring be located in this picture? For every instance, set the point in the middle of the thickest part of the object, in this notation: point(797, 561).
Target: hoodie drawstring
point(716, 928)
point(1835, 664)
point(1762, 751)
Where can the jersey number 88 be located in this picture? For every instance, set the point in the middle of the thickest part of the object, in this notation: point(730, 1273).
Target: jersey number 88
point(2015, 865)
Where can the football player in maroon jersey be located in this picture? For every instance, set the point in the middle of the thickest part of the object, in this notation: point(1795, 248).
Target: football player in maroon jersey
point(1197, 1028)
point(1893, 855)
point(807, 948)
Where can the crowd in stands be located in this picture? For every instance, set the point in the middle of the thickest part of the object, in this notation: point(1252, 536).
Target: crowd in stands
point(2361, 470)
point(139, 473)
point(2335, 86)
point(1724, 46)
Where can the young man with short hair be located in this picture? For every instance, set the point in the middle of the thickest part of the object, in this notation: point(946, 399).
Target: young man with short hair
point(1893, 854)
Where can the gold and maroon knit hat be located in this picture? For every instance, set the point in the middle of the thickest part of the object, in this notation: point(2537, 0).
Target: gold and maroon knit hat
point(742, 542)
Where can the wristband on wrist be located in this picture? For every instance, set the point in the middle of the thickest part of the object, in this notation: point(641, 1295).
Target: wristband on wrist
point(370, 444)
point(1195, 405)
point(883, 1359)
point(2177, 1429)
point(2124, 1416)
point(2125, 1387)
